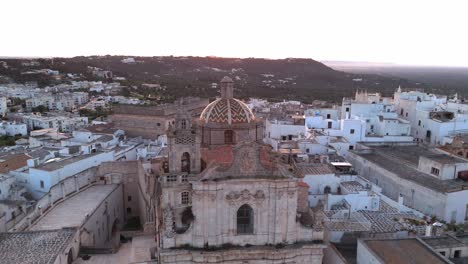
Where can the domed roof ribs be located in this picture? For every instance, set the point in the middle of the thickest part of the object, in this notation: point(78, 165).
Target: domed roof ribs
point(246, 109)
point(229, 112)
point(208, 109)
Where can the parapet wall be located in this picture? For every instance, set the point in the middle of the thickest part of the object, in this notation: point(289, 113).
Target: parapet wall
point(57, 193)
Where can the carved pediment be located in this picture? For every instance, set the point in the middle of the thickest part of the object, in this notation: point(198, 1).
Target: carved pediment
point(245, 195)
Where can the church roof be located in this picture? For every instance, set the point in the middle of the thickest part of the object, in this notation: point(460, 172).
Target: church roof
point(243, 161)
point(228, 111)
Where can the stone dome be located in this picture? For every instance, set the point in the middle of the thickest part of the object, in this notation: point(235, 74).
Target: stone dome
point(227, 111)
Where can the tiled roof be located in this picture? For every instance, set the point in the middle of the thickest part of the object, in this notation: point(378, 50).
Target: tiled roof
point(228, 111)
point(38, 247)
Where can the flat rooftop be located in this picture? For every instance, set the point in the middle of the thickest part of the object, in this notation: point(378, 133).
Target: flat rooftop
point(397, 251)
point(403, 162)
point(60, 163)
point(443, 242)
point(38, 247)
point(72, 212)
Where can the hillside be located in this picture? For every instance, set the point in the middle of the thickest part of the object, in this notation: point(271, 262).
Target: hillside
point(443, 80)
point(296, 79)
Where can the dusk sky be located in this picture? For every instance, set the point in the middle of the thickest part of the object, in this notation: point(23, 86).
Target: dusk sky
point(398, 31)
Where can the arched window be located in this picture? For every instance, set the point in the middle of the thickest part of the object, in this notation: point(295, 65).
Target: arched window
point(185, 162)
point(185, 198)
point(327, 189)
point(245, 220)
point(228, 137)
point(183, 124)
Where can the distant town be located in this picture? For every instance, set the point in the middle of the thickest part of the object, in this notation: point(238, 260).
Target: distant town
point(97, 169)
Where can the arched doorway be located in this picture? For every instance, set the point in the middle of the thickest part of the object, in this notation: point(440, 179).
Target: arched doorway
point(70, 256)
point(245, 219)
point(115, 234)
point(185, 162)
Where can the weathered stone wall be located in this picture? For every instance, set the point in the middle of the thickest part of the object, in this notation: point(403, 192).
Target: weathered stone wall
point(274, 204)
point(149, 127)
point(151, 121)
point(310, 254)
point(100, 223)
point(125, 172)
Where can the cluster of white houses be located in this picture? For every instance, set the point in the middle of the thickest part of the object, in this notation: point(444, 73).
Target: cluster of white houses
point(226, 186)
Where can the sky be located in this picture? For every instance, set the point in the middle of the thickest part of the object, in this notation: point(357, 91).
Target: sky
point(409, 32)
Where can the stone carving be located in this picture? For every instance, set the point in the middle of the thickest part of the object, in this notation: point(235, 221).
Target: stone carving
point(169, 221)
point(245, 195)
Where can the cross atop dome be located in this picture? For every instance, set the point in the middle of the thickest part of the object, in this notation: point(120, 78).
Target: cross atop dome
point(227, 87)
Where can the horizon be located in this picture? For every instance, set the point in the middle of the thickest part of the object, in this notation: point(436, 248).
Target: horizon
point(399, 32)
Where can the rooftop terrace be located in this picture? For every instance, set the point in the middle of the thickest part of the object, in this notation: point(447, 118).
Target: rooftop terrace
point(72, 212)
point(397, 251)
point(403, 162)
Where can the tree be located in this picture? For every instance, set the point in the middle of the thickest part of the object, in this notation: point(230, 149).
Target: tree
point(41, 109)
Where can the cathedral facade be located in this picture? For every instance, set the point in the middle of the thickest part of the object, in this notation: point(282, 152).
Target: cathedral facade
point(225, 198)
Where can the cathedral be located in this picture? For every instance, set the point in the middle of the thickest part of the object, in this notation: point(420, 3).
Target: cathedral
point(224, 197)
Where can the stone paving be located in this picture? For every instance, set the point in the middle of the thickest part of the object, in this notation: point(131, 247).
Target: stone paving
point(72, 212)
point(137, 251)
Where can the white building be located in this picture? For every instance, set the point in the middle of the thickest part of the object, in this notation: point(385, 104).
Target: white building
point(3, 106)
point(13, 129)
point(44, 176)
point(277, 131)
point(62, 123)
point(423, 179)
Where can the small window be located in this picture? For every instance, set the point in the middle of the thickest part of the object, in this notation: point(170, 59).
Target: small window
point(330, 124)
point(466, 212)
point(129, 210)
point(372, 127)
point(307, 150)
point(185, 198)
point(158, 124)
point(351, 147)
point(435, 171)
point(406, 114)
point(245, 220)
point(419, 123)
point(171, 178)
point(401, 112)
point(228, 137)
point(347, 109)
point(184, 178)
point(327, 189)
point(42, 184)
point(129, 198)
point(183, 124)
point(351, 131)
point(328, 116)
point(442, 253)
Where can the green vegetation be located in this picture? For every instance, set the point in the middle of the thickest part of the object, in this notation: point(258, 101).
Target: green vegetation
point(9, 140)
point(41, 109)
point(93, 114)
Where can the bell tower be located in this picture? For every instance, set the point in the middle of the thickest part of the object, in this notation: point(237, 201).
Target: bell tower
point(184, 145)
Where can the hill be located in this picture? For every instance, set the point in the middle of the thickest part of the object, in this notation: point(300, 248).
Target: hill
point(295, 79)
point(443, 80)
